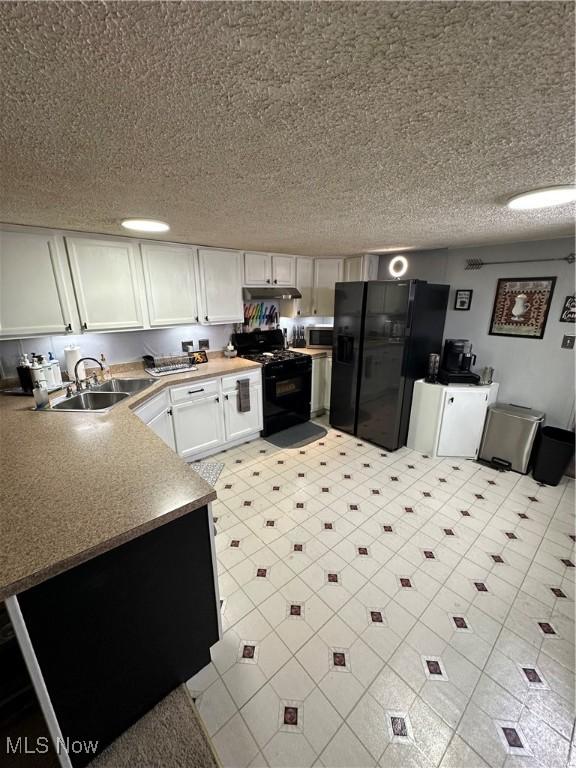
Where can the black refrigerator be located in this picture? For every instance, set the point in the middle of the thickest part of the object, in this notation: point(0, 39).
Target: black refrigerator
point(384, 331)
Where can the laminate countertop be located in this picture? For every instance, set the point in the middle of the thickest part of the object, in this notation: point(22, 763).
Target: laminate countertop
point(313, 351)
point(74, 485)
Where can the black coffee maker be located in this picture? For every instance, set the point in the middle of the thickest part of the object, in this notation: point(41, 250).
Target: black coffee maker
point(457, 360)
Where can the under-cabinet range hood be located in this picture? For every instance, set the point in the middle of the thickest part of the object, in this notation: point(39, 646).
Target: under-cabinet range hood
point(265, 293)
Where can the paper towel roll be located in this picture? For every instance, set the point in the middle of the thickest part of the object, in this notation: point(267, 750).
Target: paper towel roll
point(72, 355)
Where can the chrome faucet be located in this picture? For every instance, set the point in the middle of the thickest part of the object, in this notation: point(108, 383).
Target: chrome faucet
point(78, 381)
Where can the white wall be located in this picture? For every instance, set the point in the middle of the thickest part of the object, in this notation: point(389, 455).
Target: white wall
point(117, 347)
point(531, 372)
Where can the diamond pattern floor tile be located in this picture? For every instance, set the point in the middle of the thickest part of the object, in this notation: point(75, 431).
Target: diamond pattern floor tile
point(360, 585)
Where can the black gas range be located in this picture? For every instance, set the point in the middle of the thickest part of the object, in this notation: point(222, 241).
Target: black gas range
point(286, 378)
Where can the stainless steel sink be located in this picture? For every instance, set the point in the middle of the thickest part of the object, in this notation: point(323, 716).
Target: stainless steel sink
point(90, 401)
point(124, 385)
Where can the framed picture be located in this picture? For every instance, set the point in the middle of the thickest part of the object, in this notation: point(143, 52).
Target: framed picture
point(568, 314)
point(462, 300)
point(521, 306)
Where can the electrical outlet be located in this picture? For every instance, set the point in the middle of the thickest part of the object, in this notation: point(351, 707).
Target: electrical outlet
point(186, 344)
point(203, 344)
point(568, 342)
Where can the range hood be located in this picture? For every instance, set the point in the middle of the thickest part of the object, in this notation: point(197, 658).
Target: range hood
point(265, 293)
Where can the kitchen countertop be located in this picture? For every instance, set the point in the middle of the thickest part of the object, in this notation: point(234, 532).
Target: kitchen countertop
point(75, 485)
point(313, 351)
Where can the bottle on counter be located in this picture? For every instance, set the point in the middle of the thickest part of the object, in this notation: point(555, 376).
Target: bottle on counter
point(48, 371)
point(37, 373)
point(56, 372)
point(25, 374)
point(40, 396)
point(106, 373)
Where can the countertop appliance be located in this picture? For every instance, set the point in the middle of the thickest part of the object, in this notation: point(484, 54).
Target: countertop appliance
point(509, 436)
point(286, 378)
point(447, 420)
point(384, 331)
point(320, 336)
point(457, 360)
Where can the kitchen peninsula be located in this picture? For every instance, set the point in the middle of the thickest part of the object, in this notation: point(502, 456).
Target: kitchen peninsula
point(107, 564)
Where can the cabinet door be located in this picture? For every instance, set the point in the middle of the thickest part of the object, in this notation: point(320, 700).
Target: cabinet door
point(198, 425)
point(327, 383)
point(353, 269)
point(284, 270)
point(327, 272)
point(107, 282)
point(257, 268)
point(162, 426)
point(318, 384)
point(170, 279)
point(34, 294)
point(462, 422)
point(220, 286)
point(239, 424)
point(305, 283)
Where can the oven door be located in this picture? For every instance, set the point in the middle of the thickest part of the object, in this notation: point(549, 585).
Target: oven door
point(287, 391)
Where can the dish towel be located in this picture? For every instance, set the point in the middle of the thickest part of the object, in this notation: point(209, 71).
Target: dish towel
point(243, 395)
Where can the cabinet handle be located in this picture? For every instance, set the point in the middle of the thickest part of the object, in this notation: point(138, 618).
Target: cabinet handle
point(68, 328)
point(275, 282)
point(226, 396)
point(196, 318)
point(205, 317)
point(194, 391)
point(298, 312)
point(268, 281)
point(84, 326)
point(217, 399)
point(314, 311)
point(169, 411)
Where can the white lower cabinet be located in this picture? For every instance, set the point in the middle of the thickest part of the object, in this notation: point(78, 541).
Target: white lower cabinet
point(198, 425)
point(318, 385)
point(239, 424)
point(200, 417)
point(447, 420)
point(327, 383)
point(162, 426)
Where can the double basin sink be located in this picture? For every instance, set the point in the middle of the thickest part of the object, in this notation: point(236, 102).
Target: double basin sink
point(102, 397)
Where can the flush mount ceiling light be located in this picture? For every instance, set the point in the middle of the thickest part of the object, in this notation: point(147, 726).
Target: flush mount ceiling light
point(398, 266)
point(543, 198)
point(145, 225)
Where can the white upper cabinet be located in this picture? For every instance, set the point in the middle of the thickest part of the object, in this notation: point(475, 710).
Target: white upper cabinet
point(305, 284)
point(284, 270)
point(220, 274)
point(361, 267)
point(327, 272)
point(353, 269)
point(257, 269)
point(107, 281)
point(170, 279)
point(269, 269)
point(35, 290)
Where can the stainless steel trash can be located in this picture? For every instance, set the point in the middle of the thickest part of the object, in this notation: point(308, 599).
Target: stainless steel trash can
point(509, 434)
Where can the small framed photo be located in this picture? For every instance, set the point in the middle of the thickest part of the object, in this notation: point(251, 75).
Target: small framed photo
point(569, 310)
point(462, 300)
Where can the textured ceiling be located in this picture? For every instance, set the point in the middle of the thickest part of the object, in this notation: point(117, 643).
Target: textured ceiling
point(316, 128)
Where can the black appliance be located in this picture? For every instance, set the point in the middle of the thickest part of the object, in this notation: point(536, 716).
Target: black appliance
point(286, 378)
point(457, 360)
point(384, 331)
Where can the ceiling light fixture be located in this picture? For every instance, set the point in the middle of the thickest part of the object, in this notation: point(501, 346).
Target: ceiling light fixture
point(398, 266)
point(145, 225)
point(543, 198)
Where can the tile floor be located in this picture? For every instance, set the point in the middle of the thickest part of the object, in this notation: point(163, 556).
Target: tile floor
point(389, 609)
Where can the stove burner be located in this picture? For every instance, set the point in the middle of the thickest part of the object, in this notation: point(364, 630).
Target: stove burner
point(274, 356)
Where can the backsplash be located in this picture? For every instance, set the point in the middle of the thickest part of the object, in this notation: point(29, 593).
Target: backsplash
point(117, 347)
